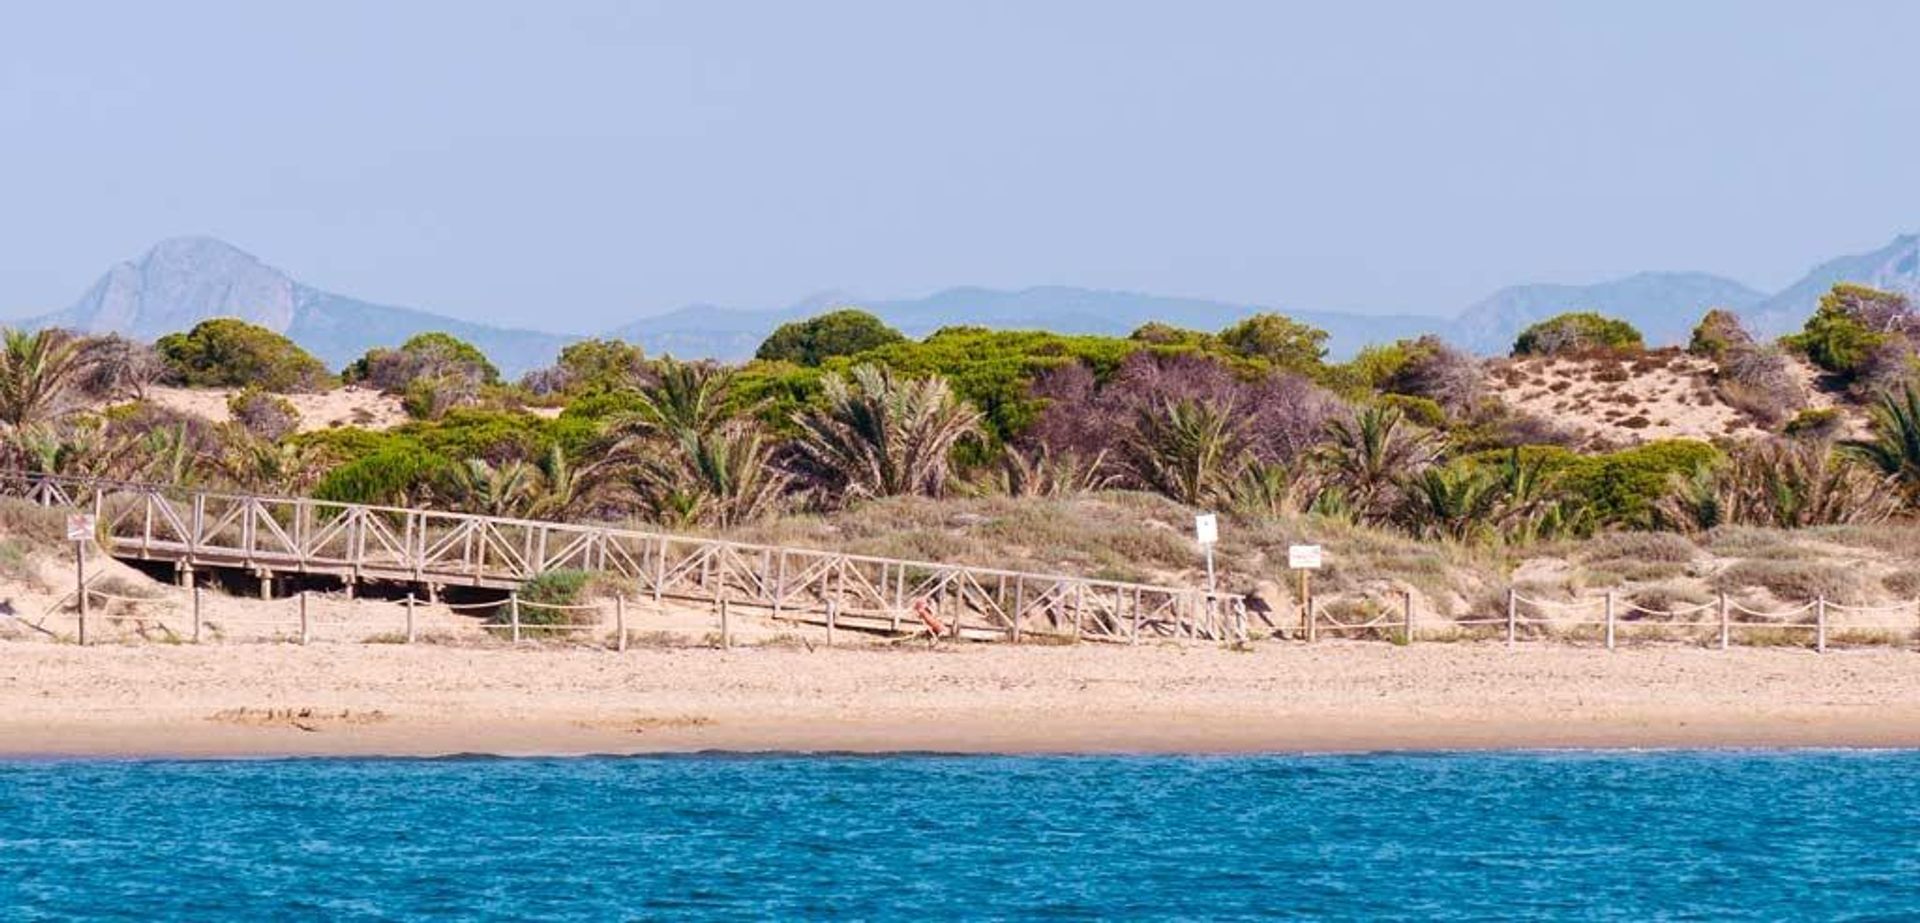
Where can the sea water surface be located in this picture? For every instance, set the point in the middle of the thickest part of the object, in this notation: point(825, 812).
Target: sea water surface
point(1443, 836)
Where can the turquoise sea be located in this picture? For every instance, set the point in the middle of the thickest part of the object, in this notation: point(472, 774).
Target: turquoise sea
point(1706, 835)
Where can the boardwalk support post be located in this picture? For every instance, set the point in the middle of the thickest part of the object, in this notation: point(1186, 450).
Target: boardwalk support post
point(196, 613)
point(726, 625)
point(1820, 624)
point(833, 618)
point(306, 628)
point(1513, 615)
point(80, 585)
point(1725, 616)
point(513, 614)
point(410, 604)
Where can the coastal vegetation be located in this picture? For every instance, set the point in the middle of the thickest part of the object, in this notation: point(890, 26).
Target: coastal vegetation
point(1413, 438)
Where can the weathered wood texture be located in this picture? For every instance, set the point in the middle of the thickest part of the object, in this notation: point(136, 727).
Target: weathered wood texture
point(360, 542)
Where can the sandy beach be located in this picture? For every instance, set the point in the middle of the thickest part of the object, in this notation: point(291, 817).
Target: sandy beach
point(276, 699)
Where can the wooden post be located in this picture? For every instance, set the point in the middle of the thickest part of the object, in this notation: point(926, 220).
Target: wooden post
point(833, 616)
point(1406, 615)
point(1513, 615)
point(1306, 618)
point(620, 622)
point(1820, 624)
point(1135, 637)
point(1609, 620)
point(196, 613)
point(1019, 605)
point(1724, 616)
point(306, 628)
point(266, 584)
point(1313, 620)
point(80, 584)
point(513, 614)
point(410, 631)
point(726, 623)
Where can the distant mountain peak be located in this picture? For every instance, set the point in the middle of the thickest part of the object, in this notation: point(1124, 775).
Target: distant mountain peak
point(181, 281)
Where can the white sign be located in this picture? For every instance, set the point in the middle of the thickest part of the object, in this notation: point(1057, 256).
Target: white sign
point(1304, 557)
point(1206, 528)
point(80, 527)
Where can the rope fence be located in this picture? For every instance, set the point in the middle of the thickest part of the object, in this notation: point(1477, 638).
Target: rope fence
point(1525, 618)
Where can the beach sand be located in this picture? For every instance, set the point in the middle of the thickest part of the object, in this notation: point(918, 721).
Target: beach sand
point(354, 699)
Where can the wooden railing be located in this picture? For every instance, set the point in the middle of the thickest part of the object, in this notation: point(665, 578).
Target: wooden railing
point(204, 528)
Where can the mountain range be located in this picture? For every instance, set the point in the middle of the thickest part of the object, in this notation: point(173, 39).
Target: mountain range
point(184, 280)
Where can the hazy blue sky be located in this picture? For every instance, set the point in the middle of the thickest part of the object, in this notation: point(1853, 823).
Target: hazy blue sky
point(573, 165)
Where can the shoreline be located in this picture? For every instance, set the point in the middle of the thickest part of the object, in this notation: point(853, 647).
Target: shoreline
point(272, 701)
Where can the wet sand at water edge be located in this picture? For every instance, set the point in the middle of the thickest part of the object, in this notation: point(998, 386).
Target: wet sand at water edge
point(363, 699)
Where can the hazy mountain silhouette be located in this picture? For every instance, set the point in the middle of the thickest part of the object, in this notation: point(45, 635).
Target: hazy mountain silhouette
point(185, 280)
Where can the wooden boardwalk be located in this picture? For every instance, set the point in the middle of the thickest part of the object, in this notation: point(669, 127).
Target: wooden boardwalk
point(432, 549)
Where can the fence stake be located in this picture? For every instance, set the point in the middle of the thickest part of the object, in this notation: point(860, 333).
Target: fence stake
point(1724, 617)
point(1609, 620)
point(1313, 620)
point(833, 617)
point(410, 632)
point(1406, 614)
point(1820, 624)
point(80, 585)
point(620, 622)
point(1133, 636)
point(1513, 614)
point(196, 613)
point(306, 630)
point(726, 623)
point(513, 614)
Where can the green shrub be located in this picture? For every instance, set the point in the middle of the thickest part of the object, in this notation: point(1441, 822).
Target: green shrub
point(590, 368)
point(847, 332)
point(1816, 423)
point(1578, 332)
point(1420, 410)
point(1851, 322)
point(425, 354)
point(1717, 332)
point(493, 435)
point(400, 474)
point(268, 416)
point(226, 352)
point(1281, 341)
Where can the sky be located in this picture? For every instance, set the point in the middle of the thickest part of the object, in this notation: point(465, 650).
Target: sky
point(575, 165)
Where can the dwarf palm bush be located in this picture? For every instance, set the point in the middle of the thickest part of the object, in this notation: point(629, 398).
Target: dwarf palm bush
point(1455, 502)
point(1780, 483)
point(1368, 455)
point(1189, 450)
point(1895, 446)
point(878, 436)
point(38, 372)
point(722, 477)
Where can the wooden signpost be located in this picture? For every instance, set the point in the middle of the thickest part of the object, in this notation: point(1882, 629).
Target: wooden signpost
point(80, 530)
point(1305, 559)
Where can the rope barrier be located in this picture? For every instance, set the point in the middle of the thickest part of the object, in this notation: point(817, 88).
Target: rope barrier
point(1684, 610)
point(563, 608)
point(1771, 615)
point(1899, 607)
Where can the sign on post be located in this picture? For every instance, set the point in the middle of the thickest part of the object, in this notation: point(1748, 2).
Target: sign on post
point(1206, 528)
point(1304, 557)
point(80, 527)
